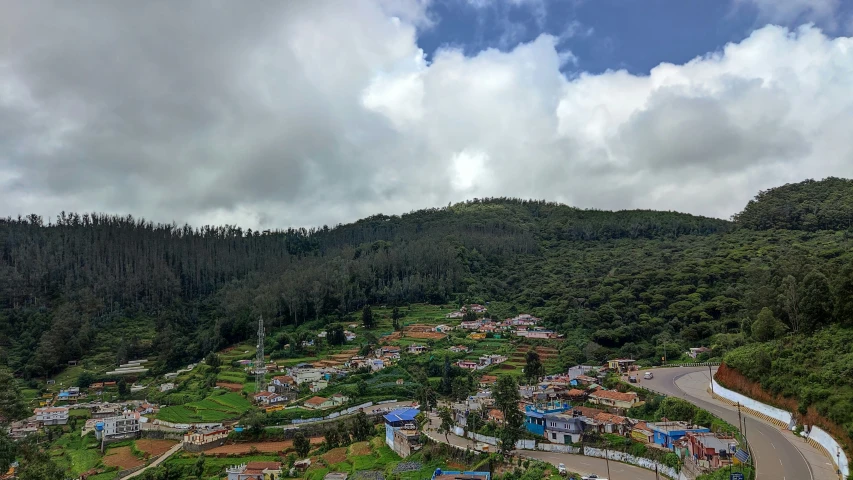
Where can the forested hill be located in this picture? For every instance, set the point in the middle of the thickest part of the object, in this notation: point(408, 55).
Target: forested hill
point(628, 282)
point(811, 205)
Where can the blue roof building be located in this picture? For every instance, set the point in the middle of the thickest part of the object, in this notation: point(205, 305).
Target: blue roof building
point(534, 415)
point(396, 420)
point(666, 433)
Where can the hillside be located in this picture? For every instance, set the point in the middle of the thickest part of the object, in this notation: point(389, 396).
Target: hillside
point(627, 283)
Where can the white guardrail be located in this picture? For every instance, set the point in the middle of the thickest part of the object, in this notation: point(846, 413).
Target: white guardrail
point(819, 436)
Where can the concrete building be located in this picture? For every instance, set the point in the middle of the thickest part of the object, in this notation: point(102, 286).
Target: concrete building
point(666, 433)
point(711, 450)
point(397, 419)
point(203, 439)
point(612, 398)
point(255, 471)
point(407, 439)
point(52, 415)
point(125, 425)
point(563, 428)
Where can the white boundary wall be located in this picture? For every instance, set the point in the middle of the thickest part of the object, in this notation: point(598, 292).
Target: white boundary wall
point(772, 412)
point(824, 439)
point(628, 458)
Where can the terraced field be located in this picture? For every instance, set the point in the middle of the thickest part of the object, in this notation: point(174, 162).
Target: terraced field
point(212, 409)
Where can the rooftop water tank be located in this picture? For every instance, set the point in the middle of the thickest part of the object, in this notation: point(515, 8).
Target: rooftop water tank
point(99, 426)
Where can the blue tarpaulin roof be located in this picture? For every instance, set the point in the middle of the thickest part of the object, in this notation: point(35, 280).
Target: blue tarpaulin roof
point(402, 415)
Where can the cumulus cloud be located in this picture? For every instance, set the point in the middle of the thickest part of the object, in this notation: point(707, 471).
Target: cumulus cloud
point(310, 113)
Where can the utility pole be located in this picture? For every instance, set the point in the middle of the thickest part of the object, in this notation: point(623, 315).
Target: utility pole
point(657, 477)
point(739, 419)
point(260, 364)
point(607, 460)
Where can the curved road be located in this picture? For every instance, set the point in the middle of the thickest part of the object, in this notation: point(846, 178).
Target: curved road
point(776, 458)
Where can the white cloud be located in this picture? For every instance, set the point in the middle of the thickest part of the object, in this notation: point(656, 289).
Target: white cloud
point(323, 112)
point(821, 12)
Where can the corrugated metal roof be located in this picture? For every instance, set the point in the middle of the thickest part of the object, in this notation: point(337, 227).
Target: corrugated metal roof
point(402, 415)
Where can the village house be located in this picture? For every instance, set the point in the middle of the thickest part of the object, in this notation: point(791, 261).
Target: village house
point(417, 349)
point(377, 364)
point(696, 351)
point(307, 375)
point(711, 450)
point(198, 440)
point(458, 349)
point(255, 471)
point(349, 336)
point(52, 415)
point(621, 365)
point(579, 370)
point(534, 415)
point(522, 320)
point(537, 333)
point(582, 380)
point(476, 308)
point(456, 314)
point(612, 398)
point(487, 360)
point(269, 398)
point(477, 336)
point(322, 403)
point(283, 382)
point(614, 424)
point(125, 425)
point(105, 410)
point(642, 433)
point(397, 419)
point(470, 325)
point(19, 430)
point(563, 428)
point(667, 433)
point(575, 395)
point(468, 364)
point(407, 439)
point(318, 385)
point(146, 408)
point(69, 395)
point(165, 387)
point(440, 474)
point(442, 328)
point(495, 415)
point(388, 350)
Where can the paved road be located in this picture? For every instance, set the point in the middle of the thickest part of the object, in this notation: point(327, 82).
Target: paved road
point(574, 463)
point(776, 458)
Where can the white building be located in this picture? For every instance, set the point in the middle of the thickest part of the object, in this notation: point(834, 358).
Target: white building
point(124, 425)
point(165, 387)
point(52, 415)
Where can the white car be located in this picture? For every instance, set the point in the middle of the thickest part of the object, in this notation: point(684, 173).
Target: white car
point(562, 469)
point(649, 375)
point(593, 477)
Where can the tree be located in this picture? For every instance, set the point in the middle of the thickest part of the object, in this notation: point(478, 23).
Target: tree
point(8, 450)
point(447, 422)
point(816, 304)
point(533, 368)
point(506, 395)
point(789, 299)
point(474, 422)
point(367, 317)
point(844, 296)
point(362, 428)
point(426, 397)
point(396, 315)
point(335, 335)
point(199, 466)
point(469, 316)
point(343, 434)
point(301, 444)
point(256, 422)
point(12, 405)
point(122, 387)
point(511, 430)
point(331, 438)
point(766, 326)
point(85, 379)
point(213, 361)
point(446, 387)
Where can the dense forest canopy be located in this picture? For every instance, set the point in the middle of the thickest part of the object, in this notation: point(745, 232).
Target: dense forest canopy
point(634, 283)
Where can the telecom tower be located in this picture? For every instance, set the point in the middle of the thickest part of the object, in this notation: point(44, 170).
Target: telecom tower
point(260, 364)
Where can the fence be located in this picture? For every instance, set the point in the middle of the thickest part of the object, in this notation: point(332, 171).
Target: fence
point(187, 426)
point(553, 447)
point(694, 364)
point(631, 459)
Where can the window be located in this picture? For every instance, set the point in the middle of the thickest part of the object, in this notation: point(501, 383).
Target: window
point(553, 436)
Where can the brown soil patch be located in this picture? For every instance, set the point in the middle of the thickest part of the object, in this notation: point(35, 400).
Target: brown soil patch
point(426, 335)
point(234, 387)
point(335, 455)
point(360, 448)
point(154, 447)
point(264, 447)
point(390, 338)
point(122, 458)
point(504, 366)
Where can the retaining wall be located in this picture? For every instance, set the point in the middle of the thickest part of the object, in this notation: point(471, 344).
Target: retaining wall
point(817, 437)
point(630, 459)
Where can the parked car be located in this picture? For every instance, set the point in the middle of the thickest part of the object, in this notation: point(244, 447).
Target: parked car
point(562, 469)
point(632, 379)
point(649, 375)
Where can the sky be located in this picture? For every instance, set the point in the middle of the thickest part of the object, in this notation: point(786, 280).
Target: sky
point(310, 113)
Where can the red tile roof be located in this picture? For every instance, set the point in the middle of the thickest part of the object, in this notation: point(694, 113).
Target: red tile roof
point(614, 395)
point(316, 400)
